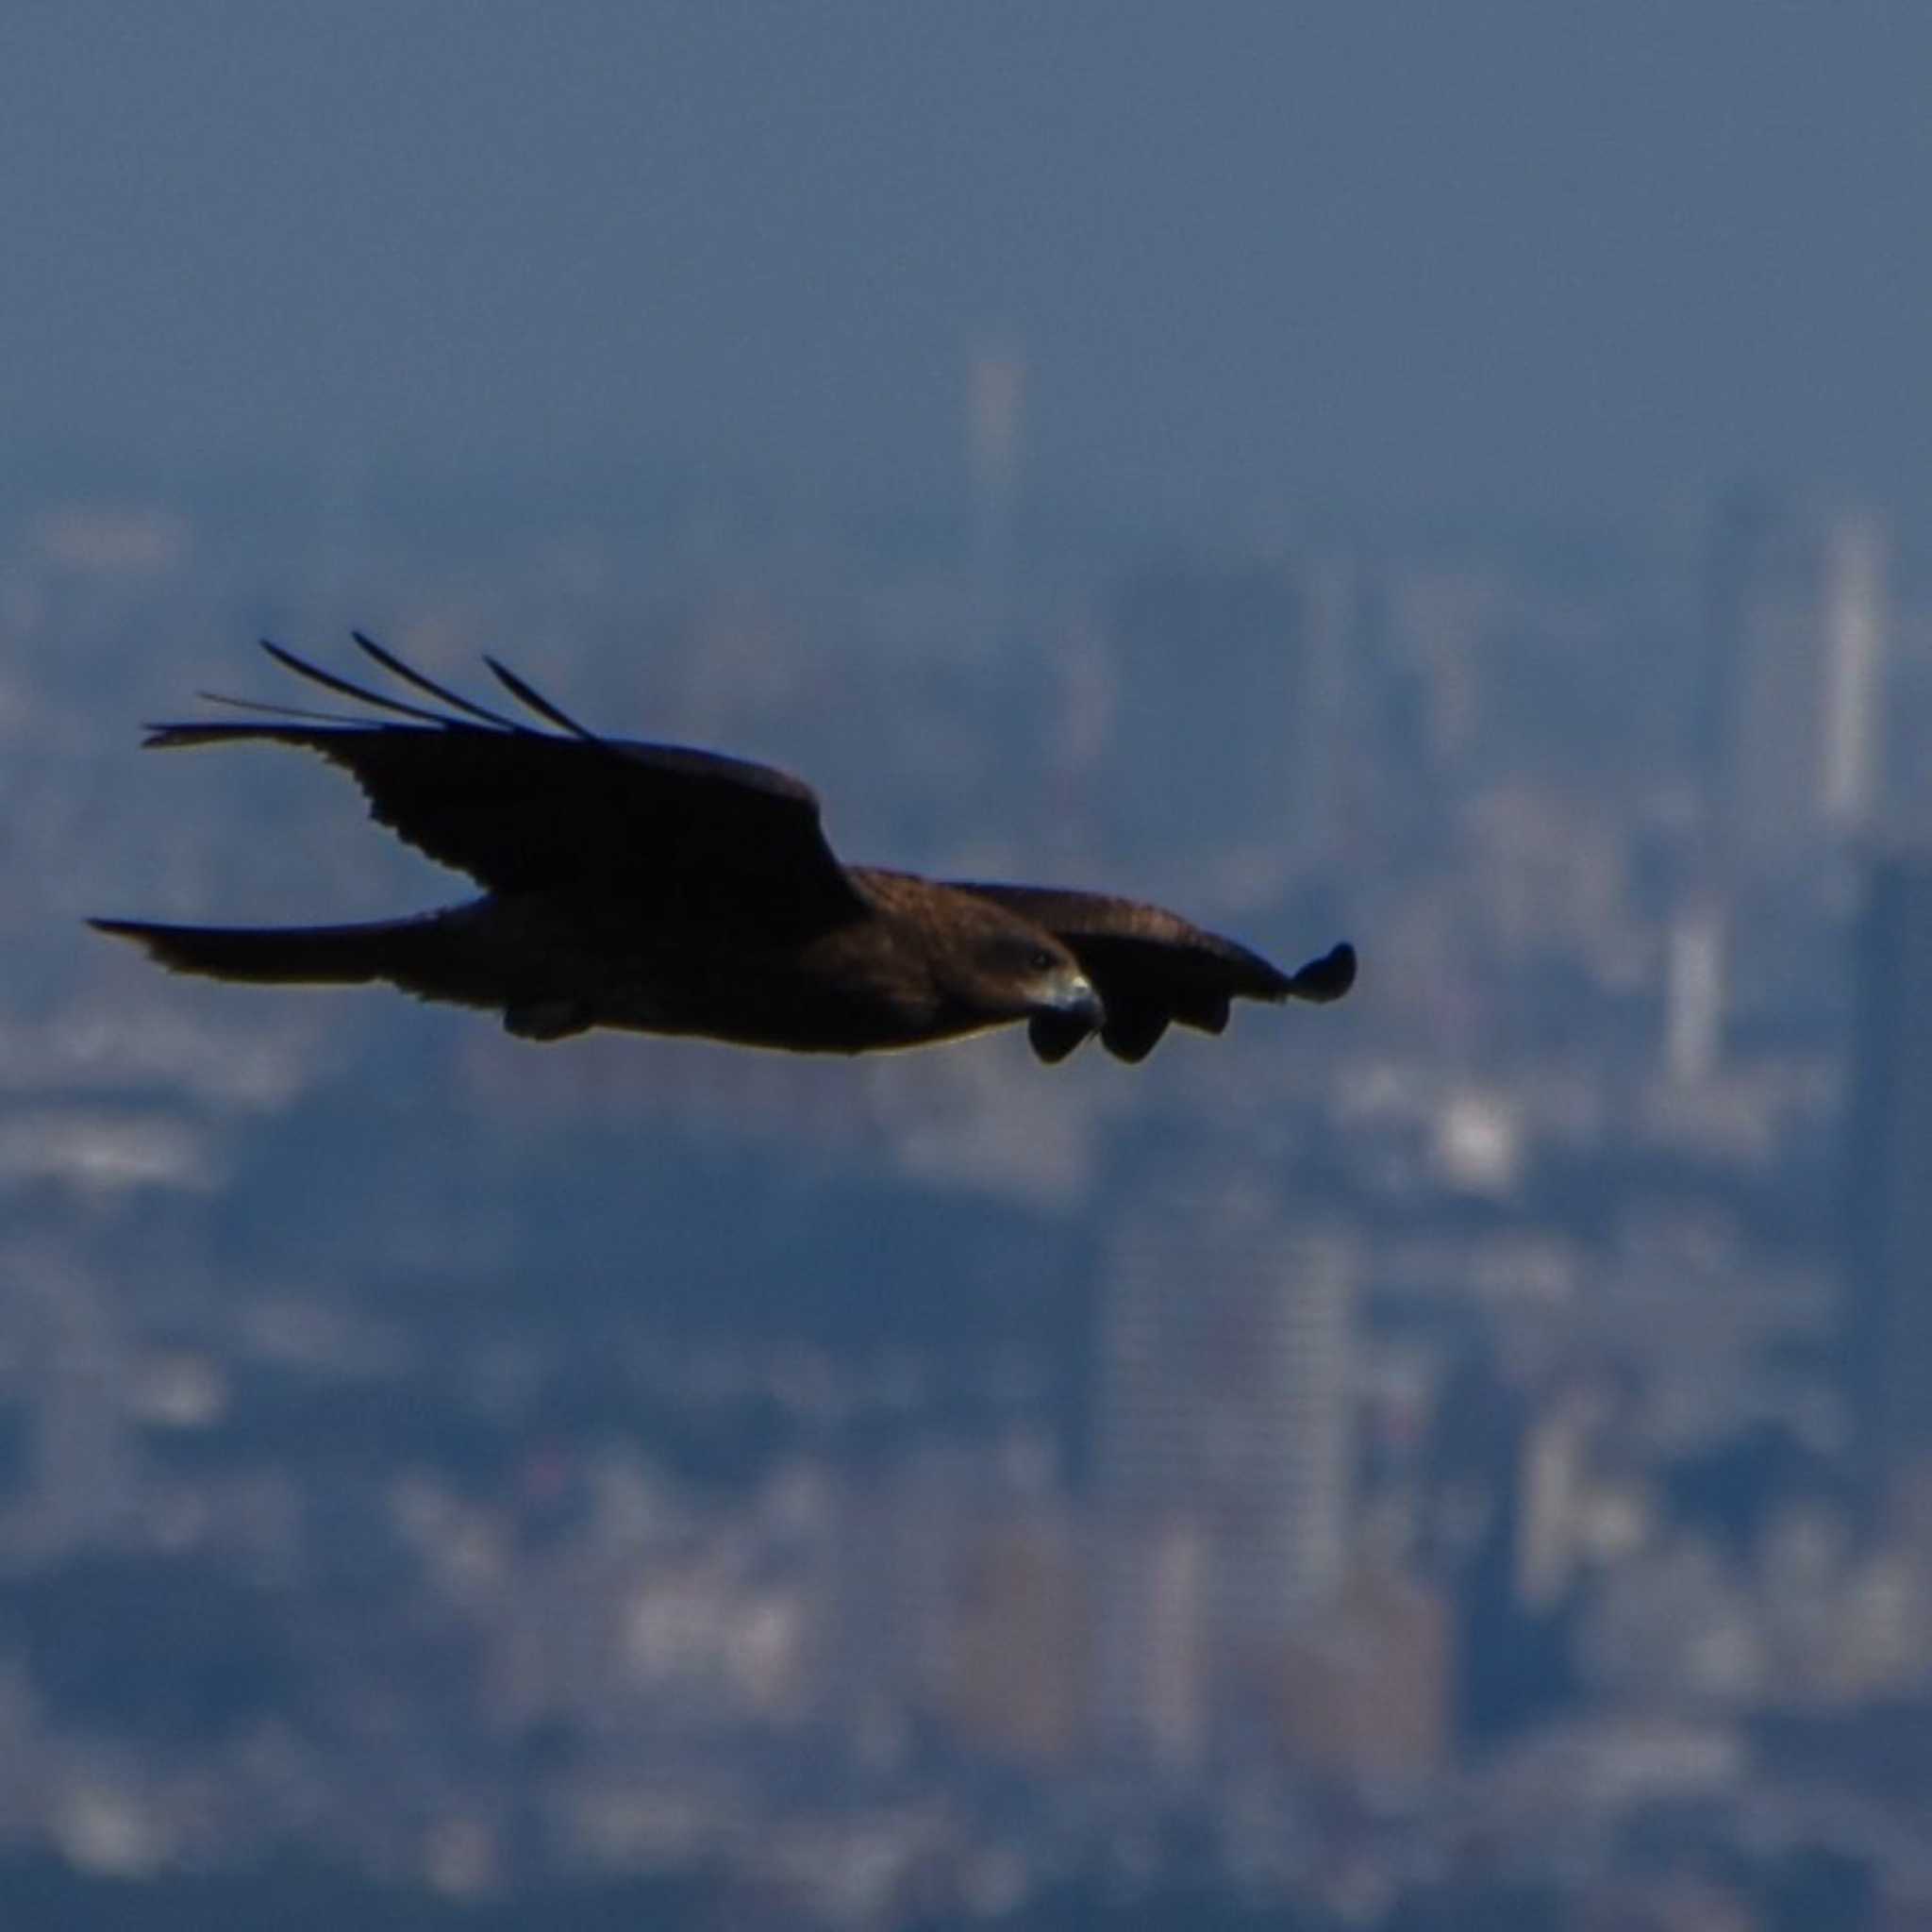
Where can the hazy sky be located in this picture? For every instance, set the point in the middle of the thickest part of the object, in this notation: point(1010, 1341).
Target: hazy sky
point(1476, 255)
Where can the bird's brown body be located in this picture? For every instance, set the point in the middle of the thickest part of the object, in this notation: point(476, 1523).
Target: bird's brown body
point(659, 890)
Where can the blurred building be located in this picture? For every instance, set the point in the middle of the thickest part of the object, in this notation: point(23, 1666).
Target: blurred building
point(1490, 1472)
point(962, 1602)
point(1855, 630)
point(1364, 1688)
point(1222, 1461)
point(1888, 1238)
point(1795, 622)
point(1016, 1667)
point(1695, 948)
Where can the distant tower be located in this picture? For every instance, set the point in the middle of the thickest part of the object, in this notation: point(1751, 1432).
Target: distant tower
point(1694, 992)
point(1223, 1459)
point(996, 395)
point(1795, 624)
point(1854, 616)
point(1888, 1249)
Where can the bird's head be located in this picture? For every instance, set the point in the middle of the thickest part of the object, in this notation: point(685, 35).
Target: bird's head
point(1010, 969)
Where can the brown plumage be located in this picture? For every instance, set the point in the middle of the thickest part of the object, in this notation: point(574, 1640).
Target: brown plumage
point(668, 891)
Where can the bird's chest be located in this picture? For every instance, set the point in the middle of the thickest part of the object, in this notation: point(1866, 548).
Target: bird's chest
point(834, 997)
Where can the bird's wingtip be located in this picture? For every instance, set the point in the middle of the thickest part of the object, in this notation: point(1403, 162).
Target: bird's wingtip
point(1327, 978)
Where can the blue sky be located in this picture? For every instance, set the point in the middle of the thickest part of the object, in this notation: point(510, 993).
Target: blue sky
point(1493, 256)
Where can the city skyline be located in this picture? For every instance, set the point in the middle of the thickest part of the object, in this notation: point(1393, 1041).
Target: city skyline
point(691, 1430)
point(1452, 478)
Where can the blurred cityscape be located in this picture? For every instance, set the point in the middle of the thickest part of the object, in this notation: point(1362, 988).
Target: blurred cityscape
point(1460, 1457)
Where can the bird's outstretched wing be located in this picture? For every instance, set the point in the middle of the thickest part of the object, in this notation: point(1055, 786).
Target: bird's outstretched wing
point(1151, 968)
point(523, 809)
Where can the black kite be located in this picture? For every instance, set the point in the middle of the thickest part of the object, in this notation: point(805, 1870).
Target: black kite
point(669, 890)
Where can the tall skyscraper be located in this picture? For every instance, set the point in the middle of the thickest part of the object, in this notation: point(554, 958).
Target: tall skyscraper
point(1223, 1457)
point(1888, 1248)
point(1853, 624)
point(1694, 991)
point(1795, 628)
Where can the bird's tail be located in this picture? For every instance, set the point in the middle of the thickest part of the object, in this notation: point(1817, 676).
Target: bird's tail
point(390, 949)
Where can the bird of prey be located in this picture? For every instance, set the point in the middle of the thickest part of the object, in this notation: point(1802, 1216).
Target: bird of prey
point(662, 890)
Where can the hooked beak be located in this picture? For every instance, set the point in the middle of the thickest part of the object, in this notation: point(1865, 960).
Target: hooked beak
point(1067, 1015)
point(1076, 1000)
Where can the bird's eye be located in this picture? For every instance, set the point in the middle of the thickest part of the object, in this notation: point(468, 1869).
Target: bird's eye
point(1041, 961)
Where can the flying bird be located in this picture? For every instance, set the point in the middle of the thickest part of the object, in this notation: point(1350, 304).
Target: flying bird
point(662, 890)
